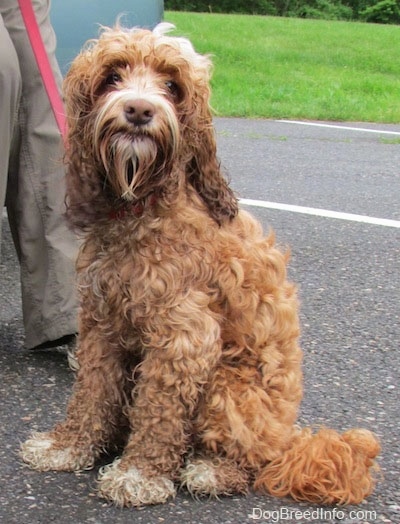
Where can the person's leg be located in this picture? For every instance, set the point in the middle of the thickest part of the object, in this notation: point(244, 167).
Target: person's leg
point(35, 196)
point(10, 91)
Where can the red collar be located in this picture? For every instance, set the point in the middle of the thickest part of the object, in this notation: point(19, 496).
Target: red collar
point(135, 209)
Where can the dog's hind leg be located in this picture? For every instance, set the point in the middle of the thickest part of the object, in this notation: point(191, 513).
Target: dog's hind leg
point(244, 421)
point(94, 414)
point(237, 428)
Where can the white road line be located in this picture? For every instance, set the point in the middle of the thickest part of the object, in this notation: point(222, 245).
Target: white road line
point(334, 126)
point(314, 211)
point(321, 212)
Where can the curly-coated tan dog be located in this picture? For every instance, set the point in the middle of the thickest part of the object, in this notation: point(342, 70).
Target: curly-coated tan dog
point(188, 349)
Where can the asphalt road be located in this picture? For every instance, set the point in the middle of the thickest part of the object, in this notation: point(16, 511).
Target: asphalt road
point(348, 275)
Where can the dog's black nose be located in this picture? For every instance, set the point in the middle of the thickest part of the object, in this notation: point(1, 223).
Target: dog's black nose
point(139, 111)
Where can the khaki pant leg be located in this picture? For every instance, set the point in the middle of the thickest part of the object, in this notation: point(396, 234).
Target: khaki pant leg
point(10, 91)
point(36, 192)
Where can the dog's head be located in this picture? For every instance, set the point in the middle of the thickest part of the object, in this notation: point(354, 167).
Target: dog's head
point(138, 115)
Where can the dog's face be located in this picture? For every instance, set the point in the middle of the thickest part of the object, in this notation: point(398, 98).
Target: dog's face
point(138, 117)
point(134, 95)
point(136, 132)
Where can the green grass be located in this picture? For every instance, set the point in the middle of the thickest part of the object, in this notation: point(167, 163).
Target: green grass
point(294, 68)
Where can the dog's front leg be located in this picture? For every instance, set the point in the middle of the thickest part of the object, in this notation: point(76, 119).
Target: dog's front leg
point(179, 354)
point(94, 413)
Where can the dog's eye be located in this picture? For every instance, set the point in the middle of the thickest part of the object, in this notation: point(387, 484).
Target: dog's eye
point(112, 79)
point(172, 88)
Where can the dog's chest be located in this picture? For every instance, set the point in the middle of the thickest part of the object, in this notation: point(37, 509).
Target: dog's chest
point(128, 280)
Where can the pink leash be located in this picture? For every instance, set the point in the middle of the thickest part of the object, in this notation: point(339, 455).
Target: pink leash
point(43, 63)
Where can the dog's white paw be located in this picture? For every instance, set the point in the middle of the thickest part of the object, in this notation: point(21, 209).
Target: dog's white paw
point(214, 477)
point(40, 453)
point(200, 479)
point(130, 488)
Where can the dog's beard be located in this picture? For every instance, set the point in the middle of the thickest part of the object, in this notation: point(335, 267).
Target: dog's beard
point(131, 164)
point(135, 160)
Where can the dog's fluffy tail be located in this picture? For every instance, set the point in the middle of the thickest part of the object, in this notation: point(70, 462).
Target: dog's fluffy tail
point(326, 467)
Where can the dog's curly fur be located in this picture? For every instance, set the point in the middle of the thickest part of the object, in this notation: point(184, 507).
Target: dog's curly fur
point(188, 348)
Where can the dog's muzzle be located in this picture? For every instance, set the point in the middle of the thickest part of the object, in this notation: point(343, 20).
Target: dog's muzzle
point(139, 112)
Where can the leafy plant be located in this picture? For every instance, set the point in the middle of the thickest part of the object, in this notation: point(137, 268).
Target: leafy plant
point(384, 12)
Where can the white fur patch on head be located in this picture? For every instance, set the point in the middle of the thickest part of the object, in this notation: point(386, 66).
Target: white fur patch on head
point(163, 28)
point(130, 488)
point(198, 61)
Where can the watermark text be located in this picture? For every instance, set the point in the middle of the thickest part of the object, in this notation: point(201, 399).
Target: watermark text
point(308, 515)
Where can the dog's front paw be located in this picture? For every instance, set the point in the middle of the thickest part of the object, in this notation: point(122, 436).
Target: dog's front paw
point(128, 487)
point(41, 452)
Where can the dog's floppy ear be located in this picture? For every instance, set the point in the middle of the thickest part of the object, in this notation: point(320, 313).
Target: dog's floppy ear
point(85, 196)
point(203, 169)
point(204, 174)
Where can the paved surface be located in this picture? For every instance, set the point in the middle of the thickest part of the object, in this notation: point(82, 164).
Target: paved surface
point(348, 275)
